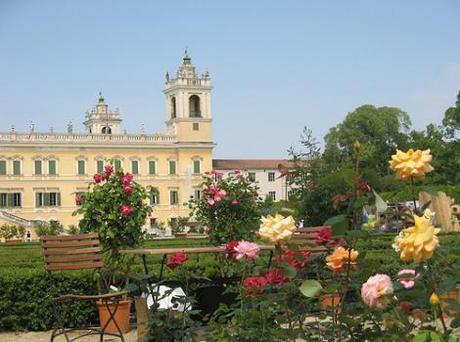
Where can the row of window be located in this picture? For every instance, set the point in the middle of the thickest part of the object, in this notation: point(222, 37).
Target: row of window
point(82, 169)
point(53, 198)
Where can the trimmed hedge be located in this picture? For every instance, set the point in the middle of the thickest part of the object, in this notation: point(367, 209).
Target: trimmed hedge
point(405, 193)
point(26, 289)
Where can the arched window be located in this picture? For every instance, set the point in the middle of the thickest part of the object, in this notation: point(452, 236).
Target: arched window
point(106, 130)
point(194, 106)
point(173, 107)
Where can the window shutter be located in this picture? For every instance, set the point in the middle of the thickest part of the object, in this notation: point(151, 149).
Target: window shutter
point(152, 167)
point(52, 167)
point(38, 167)
point(172, 167)
point(2, 167)
point(46, 199)
point(196, 167)
point(117, 165)
point(10, 200)
point(16, 167)
point(81, 167)
point(100, 166)
point(135, 167)
point(37, 199)
point(58, 195)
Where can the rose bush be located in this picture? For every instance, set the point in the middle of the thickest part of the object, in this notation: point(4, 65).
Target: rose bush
point(229, 207)
point(115, 213)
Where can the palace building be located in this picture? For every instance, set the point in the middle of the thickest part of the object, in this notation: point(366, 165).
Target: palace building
point(40, 173)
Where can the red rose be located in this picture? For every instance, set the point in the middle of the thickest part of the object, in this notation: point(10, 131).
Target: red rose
point(405, 306)
point(254, 285)
point(125, 210)
point(296, 259)
point(97, 178)
point(324, 237)
point(235, 202)
point(78, 200)
point(108, 169)
point(275, 277)
point(230, 248)
point(128, 189)
point(127, 178)
point(176, 260)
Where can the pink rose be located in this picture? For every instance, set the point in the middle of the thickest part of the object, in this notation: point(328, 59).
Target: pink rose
point(246, 249)
point(97, 178)
point(211, 201)
point(125, 210)
point(376, 291)
point(78, 199)
point(128, 189)
point(407, 278)
point(235, 202)
point(127, 178)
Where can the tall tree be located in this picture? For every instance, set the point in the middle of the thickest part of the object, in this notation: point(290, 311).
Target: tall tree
point(451, 119)
point(379, 130)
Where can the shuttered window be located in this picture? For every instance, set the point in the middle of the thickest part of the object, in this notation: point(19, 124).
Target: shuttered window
point(38, 167)
point(47, 199)
point(135, 167)
point(152, 167)
point(3, 167)
point(173, 197)
point(117, 164)
point(52, 167)
point(172, 167)
point(100, 166)
point(81, 167)
point(16, 167)
point(196, 167)
point(10, 200)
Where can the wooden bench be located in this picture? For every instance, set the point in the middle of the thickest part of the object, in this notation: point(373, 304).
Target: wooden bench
point(306, 238)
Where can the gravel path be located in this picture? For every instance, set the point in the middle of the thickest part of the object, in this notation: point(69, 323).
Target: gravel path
point(44, 336)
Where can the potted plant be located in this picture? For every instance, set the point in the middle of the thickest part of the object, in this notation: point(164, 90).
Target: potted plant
point(12, 234)
point(115, 208)
point(179, 226)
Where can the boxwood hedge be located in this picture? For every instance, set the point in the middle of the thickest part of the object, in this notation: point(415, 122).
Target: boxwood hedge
point(26, 289)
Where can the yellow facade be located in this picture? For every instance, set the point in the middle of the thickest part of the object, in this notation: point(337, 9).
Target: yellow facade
point(48, 169)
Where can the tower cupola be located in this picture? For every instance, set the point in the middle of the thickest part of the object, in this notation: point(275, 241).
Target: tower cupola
point(101, 120)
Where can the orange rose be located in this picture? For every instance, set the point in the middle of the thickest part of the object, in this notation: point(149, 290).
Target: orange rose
point(338, 260)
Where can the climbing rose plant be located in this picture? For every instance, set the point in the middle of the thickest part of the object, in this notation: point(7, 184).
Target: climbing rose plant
point(115, 208)
point(229, 208)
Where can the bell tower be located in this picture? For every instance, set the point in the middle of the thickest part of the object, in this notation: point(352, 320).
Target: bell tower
point(101, 120)
point(188, 103)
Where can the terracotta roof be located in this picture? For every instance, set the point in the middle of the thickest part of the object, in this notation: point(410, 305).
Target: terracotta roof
point(244, 164)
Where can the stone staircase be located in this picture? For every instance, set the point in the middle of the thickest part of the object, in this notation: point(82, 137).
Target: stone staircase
point(17, 219)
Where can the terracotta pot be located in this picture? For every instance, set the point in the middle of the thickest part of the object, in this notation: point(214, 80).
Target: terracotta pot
point(121, 316)
point(330, 301)
point(13, 242)
point(454, 294)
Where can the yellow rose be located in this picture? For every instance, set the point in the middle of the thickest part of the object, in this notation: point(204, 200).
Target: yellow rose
point(276, 229)
point(411, 164)
point(434, 299)
point(338, 260)
point(418, 242)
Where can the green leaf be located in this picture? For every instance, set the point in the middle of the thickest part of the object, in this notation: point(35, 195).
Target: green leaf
point(380, 204)
point(310, 288)
point(338, 223)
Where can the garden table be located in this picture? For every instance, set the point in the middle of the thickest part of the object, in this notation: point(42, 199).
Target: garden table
point(143, 252)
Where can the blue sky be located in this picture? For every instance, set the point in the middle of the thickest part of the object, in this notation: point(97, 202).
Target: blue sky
point(275, 65)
